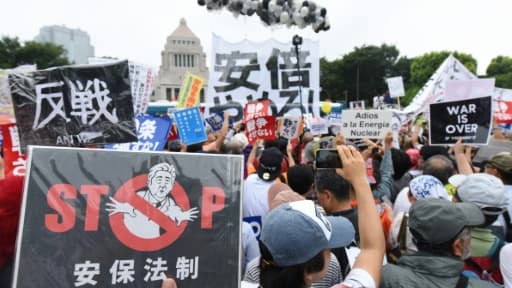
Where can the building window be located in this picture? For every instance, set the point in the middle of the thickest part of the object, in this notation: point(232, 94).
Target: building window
point(192, 59)
point(179, 60)
point(188, 61)
point(176, 92)
point(175, 60)
point(201, 95)
point(168, 94)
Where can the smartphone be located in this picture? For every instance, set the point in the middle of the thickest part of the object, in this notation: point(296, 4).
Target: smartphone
point(328, 158)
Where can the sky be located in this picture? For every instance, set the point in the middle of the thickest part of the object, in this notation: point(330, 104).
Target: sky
point(137, 30)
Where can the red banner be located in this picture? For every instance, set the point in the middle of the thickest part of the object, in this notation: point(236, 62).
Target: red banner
point(256, 109)
point(261, 128)
point(503, 112)
point(14, 160)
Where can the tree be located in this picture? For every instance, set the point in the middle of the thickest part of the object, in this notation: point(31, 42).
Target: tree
point(424, 66)
point(13, 53)
point(501, 69)
point(362, 72)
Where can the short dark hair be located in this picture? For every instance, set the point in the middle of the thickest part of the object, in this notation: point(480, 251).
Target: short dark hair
point(440, 167)
point(300, 178)
point(427, 151)
point(328, 179)
point(272, 276)
point(401, 163)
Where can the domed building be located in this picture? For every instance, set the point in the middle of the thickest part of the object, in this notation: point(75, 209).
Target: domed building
point(182, 52)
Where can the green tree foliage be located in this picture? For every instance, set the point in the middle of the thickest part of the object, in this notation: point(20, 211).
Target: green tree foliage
point(13, 53)
point(367, 66)
point(424, 66)
point(501, 69)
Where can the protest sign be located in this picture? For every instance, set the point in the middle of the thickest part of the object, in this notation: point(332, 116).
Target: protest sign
point(74, 105)
point(466, 89)
point(256, 109)
point(261, 128)
point(357, 105)
point(467, 119)
point(247, 71)
point(328, 142)
point(133, 219)
point(14, 159)
point(372, 124)
point(190, 125)
point(152, 133)
point(290, 127)
point(318, 126)
point(215, 121)
point(396, 86)
point(190, 91)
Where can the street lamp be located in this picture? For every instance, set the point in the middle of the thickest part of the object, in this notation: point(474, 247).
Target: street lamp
point(297, 41)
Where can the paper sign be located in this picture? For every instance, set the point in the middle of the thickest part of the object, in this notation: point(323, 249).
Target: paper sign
point(215, 121)
point(357, 105)
point(466, 89)
point(190, 125)
point(190, 91)
point(396, 87)
point(261, 128)
point(467, 119)
point(14, 160)
point(372, 124)
point(318, 126)
point(503, 112)
point(152, 133)
point(290, 127)
point(256, 109)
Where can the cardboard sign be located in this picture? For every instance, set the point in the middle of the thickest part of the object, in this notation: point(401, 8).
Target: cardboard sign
point(503, 112)
point(14, 159)
point(261, 128)
point(215, 121)
point(74, 105)
point(396, 87)
point(318, 126)
point(357, 105)
point(466, 89)
point(190, 125)
point(256, 109)
point(108, 218)
point(467, 119)
point(373, 124)
point(152, 133)
point(290, 127)
point(190, 91)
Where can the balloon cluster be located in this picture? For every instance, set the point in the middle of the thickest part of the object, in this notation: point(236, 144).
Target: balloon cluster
point(274, 12)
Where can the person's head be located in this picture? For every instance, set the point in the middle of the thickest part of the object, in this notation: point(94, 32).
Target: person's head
point(269, 166)
point(414, 155)
point(332, 189)
point(440, 167)
point(161, 180)
point(309, 152)
point(427, 151)
point(300, 178)
point(485, 191)
point(401, 163)
point(426, 187)
point(500, 165)
point(295, 243)
point(442, 227)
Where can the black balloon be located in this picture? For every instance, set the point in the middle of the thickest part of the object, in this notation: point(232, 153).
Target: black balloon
point(201, 2)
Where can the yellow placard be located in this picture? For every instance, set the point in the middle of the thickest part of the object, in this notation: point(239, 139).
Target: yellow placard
point(190, 91)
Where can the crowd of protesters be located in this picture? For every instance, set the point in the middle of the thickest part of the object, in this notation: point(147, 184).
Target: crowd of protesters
point(424, 216)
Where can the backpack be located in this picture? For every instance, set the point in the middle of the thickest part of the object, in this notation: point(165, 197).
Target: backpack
point(508, 235)
point(487, 267)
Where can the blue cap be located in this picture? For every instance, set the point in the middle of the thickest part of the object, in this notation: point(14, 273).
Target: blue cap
point(295, 232)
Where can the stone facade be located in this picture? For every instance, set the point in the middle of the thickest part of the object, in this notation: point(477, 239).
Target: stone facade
point(182, 52)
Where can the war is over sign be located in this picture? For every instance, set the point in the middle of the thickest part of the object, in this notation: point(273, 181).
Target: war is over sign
point(366, 123)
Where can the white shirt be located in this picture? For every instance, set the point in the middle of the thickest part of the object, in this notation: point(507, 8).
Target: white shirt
point(357, 278)
point(506, 264)
point(402, 203)
point(255, 198)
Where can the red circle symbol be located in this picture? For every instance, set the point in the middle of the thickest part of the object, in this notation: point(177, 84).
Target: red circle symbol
point(127, 193)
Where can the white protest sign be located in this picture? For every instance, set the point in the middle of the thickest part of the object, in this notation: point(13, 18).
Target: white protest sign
point(366, 123)
point(318, 126)
point(396, 87)
point(290, 127)
point(465, 89)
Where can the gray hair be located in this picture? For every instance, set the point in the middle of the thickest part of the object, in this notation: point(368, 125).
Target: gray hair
point(166, 167)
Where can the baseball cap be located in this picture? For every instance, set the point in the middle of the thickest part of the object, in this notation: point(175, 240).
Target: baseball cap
point(437, 221)
point(297, 231)
point(428, 187)
point(485, 191)
point(269, 166)
point(502, 161)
